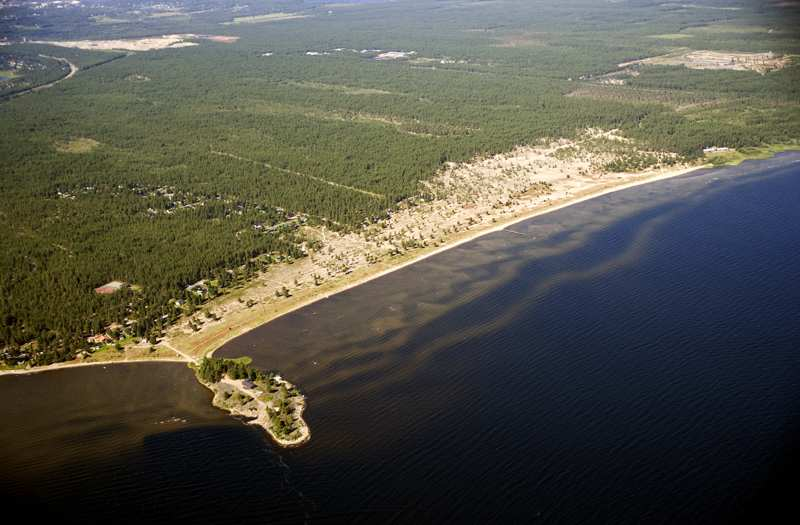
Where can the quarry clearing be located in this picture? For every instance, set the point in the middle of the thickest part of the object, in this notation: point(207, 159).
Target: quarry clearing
point(759, 62)
point(139, 44)
point(461, 202)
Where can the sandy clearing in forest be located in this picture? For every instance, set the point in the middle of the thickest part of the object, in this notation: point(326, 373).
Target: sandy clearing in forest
point(79, 145)
point(758, 62)
point(260, 19)
point(138, 44)
point(522, 40)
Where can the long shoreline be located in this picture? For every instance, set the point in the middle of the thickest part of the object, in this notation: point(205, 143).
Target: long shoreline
point(457, 240)
point(219, 340)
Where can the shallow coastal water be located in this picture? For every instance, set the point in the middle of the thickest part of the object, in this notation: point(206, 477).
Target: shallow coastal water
point(633, 358)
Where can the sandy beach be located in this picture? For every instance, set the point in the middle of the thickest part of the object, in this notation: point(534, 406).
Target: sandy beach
point(238, 321)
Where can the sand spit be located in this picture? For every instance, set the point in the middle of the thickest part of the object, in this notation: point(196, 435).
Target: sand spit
point(251, 404)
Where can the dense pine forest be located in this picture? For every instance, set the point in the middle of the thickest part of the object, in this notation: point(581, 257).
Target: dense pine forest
point(160, 168)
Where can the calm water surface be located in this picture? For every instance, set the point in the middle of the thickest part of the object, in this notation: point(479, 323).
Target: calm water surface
point(634, 358)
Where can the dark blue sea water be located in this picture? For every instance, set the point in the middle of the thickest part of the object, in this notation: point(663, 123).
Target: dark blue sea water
point(631, 359)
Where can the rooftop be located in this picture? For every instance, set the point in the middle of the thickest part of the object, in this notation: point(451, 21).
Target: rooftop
point(109, 287)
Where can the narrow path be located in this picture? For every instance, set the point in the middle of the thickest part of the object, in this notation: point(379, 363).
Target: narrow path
point(298, 174)
point(185, 356)
point(216, 335)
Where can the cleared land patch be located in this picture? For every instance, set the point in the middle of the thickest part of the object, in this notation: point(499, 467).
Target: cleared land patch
point(672, 36)
point(79, 145)
point(725, 27)
point(138, 44)
point(260, 19)
point(137, 78)
point(758, 62)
